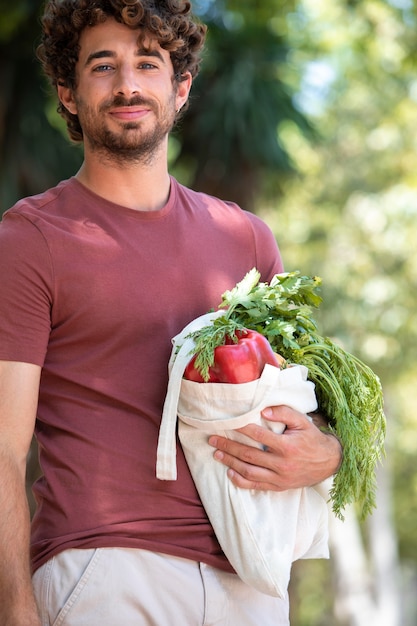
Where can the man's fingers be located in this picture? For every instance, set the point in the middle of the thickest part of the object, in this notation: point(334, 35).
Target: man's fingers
point(284, 414)
point(248, 476)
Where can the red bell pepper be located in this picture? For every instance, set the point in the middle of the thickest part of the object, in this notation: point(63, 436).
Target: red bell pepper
point(237, 362)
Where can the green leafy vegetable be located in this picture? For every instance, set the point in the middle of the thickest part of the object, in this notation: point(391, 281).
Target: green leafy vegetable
point(348, 392)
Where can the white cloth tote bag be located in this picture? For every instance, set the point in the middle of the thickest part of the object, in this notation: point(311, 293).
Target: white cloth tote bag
point(261, 533)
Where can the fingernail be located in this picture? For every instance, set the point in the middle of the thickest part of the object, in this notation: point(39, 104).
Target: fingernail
point(218, 455)
point(213, 441)
point(267, 413)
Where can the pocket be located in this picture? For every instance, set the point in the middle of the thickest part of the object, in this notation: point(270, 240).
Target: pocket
point(62, 582)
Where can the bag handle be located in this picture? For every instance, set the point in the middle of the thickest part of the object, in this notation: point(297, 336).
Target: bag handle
point(166, 467)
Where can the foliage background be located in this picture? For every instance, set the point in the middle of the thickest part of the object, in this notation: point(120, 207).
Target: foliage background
point(305, 112)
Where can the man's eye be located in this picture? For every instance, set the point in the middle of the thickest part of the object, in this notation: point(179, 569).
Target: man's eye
point(103, 68)
point(147, 66)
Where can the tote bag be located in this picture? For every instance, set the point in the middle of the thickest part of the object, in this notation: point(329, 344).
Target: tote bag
point(261, 533)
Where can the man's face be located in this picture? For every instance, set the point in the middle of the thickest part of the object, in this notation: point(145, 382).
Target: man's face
point(126, 97)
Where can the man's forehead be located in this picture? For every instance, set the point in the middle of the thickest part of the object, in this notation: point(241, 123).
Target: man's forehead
point(110, 35)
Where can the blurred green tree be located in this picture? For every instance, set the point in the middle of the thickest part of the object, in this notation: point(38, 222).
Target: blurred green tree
point(229, 140)
point(34, 153)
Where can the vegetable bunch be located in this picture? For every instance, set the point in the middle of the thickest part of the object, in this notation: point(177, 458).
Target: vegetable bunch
point(348, 392)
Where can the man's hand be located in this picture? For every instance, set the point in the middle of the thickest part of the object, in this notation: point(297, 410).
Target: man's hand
point(301, 456)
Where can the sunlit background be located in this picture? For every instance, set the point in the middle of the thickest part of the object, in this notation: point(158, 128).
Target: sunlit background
point(305, 112)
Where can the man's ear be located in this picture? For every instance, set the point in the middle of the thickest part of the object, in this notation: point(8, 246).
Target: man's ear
point(183, 90)
point(66, 96)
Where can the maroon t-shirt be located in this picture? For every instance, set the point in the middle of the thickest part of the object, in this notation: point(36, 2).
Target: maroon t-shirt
point(93, 292)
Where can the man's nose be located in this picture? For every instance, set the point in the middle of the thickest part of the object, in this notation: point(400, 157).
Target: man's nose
point(127, 81)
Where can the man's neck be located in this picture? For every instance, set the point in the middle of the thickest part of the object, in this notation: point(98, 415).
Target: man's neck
point(138, 186)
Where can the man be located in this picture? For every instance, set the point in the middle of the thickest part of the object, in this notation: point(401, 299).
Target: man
point(97, 275)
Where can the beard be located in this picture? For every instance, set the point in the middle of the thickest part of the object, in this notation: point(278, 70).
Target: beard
point(136, 141)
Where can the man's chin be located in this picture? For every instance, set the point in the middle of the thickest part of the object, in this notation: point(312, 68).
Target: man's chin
point(127, 151)
point(131, 125)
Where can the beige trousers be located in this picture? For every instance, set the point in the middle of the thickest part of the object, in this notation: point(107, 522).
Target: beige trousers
point(129, 587)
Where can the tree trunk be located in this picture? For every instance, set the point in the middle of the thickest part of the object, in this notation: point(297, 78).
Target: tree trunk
point(384, 555)
point(367, 586)
point(354, 604)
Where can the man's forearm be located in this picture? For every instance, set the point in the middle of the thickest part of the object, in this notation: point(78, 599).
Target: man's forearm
point(17, 601)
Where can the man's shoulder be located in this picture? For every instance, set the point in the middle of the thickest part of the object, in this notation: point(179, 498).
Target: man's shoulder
point(46, 200)
point(203, 200)
point(213, 204)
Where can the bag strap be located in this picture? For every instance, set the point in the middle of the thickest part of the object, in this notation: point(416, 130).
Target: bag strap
point(166, 467)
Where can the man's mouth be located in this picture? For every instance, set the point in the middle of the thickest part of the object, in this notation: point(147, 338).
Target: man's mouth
point(129, 113)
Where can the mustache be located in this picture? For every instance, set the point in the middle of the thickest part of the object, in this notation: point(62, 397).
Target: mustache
point(121, 101)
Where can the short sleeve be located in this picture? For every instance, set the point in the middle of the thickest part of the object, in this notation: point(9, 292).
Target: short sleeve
point(268, 256)
point(26, 290)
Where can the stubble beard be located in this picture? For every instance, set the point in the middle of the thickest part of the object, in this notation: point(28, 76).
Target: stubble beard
point(134, 143)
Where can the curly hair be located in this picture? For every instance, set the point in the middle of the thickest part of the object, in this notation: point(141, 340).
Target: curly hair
point(169, 21)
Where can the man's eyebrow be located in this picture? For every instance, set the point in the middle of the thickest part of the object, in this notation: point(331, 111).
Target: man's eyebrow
point(150, 52)
point(102, 54)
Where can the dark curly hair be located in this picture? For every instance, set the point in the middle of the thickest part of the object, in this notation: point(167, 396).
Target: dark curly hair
point(169, 21)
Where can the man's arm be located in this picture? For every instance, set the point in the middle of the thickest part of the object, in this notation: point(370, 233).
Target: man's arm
point(19, 388)
point(301, 456)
